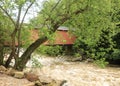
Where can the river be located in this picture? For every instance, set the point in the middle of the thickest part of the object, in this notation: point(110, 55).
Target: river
point(77, 73)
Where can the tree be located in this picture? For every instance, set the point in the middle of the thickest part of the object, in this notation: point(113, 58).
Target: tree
point(9, 8)
point(85, 16)
point(96, 29)
point(53, 17)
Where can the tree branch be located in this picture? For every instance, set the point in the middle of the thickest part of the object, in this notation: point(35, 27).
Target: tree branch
point(19, 30)
point(26, 13)
point(67, 17)
point(55, 6)
point(18, 17)
point(80, 11)
point(7, 14)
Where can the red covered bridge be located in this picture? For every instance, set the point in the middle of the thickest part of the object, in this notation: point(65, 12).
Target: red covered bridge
point(62, 37)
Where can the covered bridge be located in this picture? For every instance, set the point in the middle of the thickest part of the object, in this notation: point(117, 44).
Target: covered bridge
point(62, 37)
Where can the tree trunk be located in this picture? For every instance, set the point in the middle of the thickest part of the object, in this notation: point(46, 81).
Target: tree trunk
point(9, 60)
point(13, 48)
point(1, 54)
point(21, 62)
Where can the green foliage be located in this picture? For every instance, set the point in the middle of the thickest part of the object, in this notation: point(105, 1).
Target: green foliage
point(94, 28)
point(105, 45)
point(89, 30)
point(4, 32)
point(25, 36)
point(116, 38)
point(115, 55)
point(97, 31)
point(36, 63)
point(101, 62)
point(51, 50)
point(77, 55)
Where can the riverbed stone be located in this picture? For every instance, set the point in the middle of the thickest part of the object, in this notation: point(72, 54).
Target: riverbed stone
point(45, 79)
point(19, 75)
point(38, 83)
point(31, 77)
point(10, 71)
point(2, 69)
point(30, 84)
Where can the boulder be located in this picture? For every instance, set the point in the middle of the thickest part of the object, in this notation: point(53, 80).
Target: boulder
point(89, 60)
point(38, 83)
point(62, 83)
point(31, 77)
point(19, 75)
point(45, 80)
point(48, 81)
point(30, 84)
point(56, 83)
point(10, 72)
point(77, 59)
point(2, 69)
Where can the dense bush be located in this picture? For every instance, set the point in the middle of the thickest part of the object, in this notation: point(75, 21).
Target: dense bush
point(101, 62)
point(102, 50)
point(116, 38)
point(51, 50)
point(115, 55)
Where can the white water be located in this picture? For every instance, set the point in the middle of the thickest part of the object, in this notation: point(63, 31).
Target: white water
point(78, 73)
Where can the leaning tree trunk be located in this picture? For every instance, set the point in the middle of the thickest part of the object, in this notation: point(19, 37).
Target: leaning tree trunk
point(21, 62)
